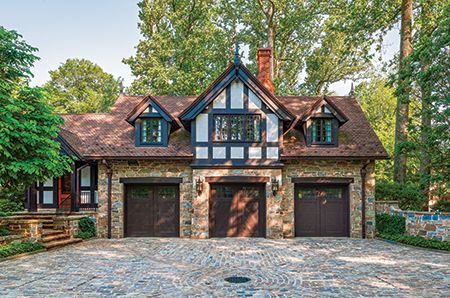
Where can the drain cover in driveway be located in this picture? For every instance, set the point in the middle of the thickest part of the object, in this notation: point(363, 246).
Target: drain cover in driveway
point(237, 279)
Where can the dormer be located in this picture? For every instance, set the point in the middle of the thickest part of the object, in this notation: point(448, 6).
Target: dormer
point(321, 124)
point(152, 124)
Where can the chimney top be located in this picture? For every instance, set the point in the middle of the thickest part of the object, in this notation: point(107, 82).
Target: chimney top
point(264, 58)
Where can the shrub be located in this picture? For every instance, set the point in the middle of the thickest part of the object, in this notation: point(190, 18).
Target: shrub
point(409, 196)
point(442, 206)
point(7, 207)
point(418, 241)
point(18, 248)
point(390, 224)
point(87, 228)
point(4, 231)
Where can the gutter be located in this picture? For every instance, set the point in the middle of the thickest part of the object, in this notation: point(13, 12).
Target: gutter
point(109, 173)
point(363, 198)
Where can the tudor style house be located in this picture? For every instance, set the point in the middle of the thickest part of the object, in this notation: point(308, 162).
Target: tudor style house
point(235, 161)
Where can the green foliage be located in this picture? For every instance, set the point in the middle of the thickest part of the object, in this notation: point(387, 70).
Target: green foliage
point(442, 206)
point(29, 151)
point(378, 103)
point(87, 228)
point(80, 86)
point(409, 196)
point(4, 231)
point(8, 207)
point(390, 224)
point(18, 248)
point(417, 241)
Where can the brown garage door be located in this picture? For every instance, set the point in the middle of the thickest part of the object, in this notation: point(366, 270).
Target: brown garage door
point(237, 210)
point(152, 211)
point(321, 211)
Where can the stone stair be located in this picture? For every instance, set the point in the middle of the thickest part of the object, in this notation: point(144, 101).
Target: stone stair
point(52, 238)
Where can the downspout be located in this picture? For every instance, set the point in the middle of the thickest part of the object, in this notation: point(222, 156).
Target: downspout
point(109, 173)
point(363, 198)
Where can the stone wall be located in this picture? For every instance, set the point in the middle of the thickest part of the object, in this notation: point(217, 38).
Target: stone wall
point(144, 168)
point(431, 225)
point(385, 206)
point(329, 168)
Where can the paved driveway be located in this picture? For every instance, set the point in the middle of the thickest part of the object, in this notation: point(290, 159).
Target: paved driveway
point(177, 267)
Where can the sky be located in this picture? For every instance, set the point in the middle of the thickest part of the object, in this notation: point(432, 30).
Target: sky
point(103, 31)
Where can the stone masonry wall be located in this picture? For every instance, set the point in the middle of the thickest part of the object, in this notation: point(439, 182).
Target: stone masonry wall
point(144, 168)
point(329, 168)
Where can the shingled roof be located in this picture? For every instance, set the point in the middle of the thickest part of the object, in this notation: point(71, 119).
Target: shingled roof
point(110, 136)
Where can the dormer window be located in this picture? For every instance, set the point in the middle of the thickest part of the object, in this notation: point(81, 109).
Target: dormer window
point(151, 131)
point(321, 131)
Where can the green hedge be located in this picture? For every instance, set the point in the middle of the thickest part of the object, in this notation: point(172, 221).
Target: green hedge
point(409, 196)
point(417, 241)
point(18, 248)
point(442, 206)
point(4, 231)
point(7, 207)
point(390, 224)
point(87, 228)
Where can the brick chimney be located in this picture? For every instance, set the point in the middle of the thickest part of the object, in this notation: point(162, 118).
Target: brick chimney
point(264, 68)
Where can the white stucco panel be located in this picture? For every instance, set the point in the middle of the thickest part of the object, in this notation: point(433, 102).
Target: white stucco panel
point(220, 101)
point(237, 152)
point(201, 152)
point(272, 153)
point(272, 128)
point(219, 152)
point(254, 153)
point(201, 128)
point(253, 101)
point(237, 95)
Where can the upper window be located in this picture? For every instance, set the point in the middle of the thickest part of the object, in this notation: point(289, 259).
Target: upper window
point(151, 131)
point(321, 131)
point(245, 128)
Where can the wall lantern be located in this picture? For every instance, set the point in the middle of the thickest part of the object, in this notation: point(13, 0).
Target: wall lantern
point(199, 185)
point(275, 186)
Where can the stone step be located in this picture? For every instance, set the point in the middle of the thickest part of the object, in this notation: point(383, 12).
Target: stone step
point(61, 243)
point(55, 237)
point(50, 232)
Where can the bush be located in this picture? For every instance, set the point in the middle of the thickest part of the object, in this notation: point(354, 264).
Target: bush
point(418, 241)
point(18, 248)
point(87, 228)
point(7, 207)
point(4, 231)
point(390, 224)
point(442, 206)
point(409, 196)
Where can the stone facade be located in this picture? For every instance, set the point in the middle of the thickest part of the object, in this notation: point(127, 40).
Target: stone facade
point(194, 207)
point(385, 206)
point(329, 168)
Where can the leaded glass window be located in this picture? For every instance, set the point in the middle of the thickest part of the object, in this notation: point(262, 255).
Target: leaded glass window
point(151, 130)
point(237, 128)
point(321, 131)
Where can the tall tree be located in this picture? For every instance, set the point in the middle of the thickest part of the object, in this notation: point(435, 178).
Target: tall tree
point(28, 125)
point(184, 47)
point(403, 93)
point(80, 86)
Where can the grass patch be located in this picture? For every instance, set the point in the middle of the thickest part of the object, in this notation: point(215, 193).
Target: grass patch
point(417, 241)
point(18, 248)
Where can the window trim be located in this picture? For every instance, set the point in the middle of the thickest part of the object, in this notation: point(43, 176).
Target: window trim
point(320, 131)
point(138, 131)
point(244, 131)
point(334, 133)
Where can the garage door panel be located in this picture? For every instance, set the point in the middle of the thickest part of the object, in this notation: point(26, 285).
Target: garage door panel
point(222, 214)
point(321, 211)
point(139, 210)
point(167, 212)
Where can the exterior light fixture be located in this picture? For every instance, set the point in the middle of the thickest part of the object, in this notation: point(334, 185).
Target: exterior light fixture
point(275, 186)
point(199, 185)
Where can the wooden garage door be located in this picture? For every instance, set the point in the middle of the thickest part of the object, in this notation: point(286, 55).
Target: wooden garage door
point(321, 211)
point(237, 210)
point(152, 211)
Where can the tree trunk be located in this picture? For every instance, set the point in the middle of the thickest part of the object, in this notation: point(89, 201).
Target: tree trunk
point(402, 112)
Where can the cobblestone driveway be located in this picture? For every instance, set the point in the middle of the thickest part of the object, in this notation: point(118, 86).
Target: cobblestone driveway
point(177, 267)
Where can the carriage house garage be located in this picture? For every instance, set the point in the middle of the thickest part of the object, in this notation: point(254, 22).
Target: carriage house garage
point(234, 161)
